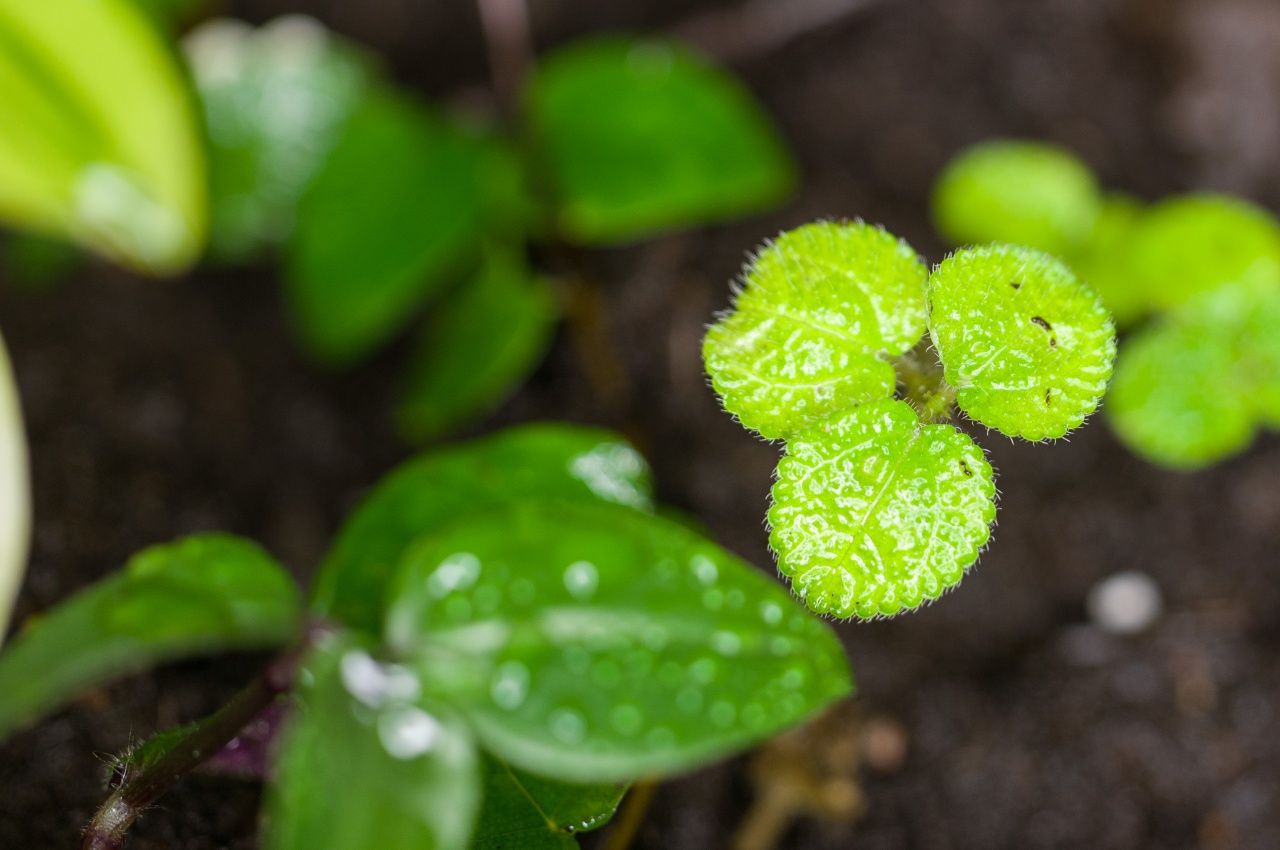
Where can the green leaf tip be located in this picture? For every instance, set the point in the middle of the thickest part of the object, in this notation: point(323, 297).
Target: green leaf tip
point(874, 513)
point(1019, 192)
point(1028, 347)
point(821, 311)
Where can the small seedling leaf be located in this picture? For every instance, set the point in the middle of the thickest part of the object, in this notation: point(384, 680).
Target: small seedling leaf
point(530, 812)
point(398, 204)
point(1193, 244)
point(821, 310)
point(601, 643)
point(533, 462)
point(125, 182)
point(1023, 193)
point(1028, 347)
point(481, 341)
point(275, 99)
point(644, 136)
point(15, 496)
point(200, 594)
point(368, 762)
point(1192, 389)
point(874, 513)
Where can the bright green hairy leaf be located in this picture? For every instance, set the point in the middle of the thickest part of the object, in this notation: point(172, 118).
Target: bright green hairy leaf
point(1028, 347)
point(644, 136)
point(1103, 263)
point(533, 462)
point(197, 595)
point(596, 643)
point(1024, 193)
point(1192, 390)
point(396, 206)
point(275, 99)
point(822, 309)
point(368, 761)
point(526, 812)
point(15, 495)
point(481, 341)
point(98, 136)
point(874, 513)
point(1192, 244)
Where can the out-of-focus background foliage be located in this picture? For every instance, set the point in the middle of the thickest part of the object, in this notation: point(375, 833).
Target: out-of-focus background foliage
point(1016, 717)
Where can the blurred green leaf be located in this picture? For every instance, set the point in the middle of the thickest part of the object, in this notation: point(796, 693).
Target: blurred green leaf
point(37, 263)
point(1192, 244)
point(538, 462)
point(596, 643)
point(1018, 192)
point(398, 204)
point(98, 135)
point(15, 502)
point(275, 99)
point(529, 812)
point(479, 344)
point(366, 763)
point(1174, 398)
point(644, 136)
point(170, 15)
point(203, 593)
point(1103, 262)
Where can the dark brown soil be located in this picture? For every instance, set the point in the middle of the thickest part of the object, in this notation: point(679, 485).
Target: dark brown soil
point(160, 409)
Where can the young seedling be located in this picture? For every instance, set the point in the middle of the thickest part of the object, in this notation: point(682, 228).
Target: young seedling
point(1202, 375)
point(879, 505)
point(503, 635)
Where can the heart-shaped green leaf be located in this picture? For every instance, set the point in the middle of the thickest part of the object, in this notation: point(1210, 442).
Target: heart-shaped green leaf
point(15, 496)
point(533, 813)
point(1024, 193)
point(643, 136)
point(1028, 347)
point(596, 643)
point(481, 341)
point(368, 762)
point(98, 135)
point(533, 462)
point(202, 593)
point(873, 513)
point(822, 309)
point(275, 98)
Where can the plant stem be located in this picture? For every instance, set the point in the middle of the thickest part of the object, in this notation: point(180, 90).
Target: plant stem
point(510, 46)
point(634, 809)
point(140, 789)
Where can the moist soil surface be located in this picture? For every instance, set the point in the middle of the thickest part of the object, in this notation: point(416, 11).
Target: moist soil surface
point(159, 409)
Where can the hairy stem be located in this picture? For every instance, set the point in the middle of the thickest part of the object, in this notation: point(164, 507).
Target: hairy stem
point(142, 787)
point(510, 46)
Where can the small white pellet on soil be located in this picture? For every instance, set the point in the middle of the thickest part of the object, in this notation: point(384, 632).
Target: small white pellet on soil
point(1125, 603)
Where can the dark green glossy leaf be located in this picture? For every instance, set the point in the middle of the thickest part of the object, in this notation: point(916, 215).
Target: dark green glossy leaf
point(644, 136)
point(538, 462)
point(98, 135)
point(367, 762)
point(275, 99)
point(526, 812)
point(397, 205)
point(480, 343)
point(595, 643)
point(197, 595)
